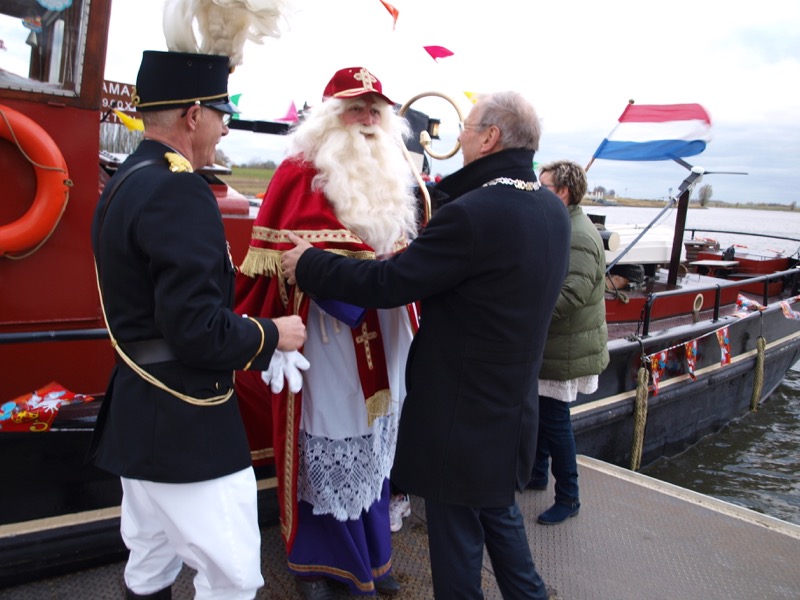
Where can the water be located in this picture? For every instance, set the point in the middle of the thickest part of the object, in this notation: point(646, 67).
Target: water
point(781, 223)
point(754, 461)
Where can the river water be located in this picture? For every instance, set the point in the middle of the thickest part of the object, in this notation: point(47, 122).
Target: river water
point(754, 461)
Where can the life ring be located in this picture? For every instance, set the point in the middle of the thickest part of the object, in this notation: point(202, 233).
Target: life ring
point(33, 228)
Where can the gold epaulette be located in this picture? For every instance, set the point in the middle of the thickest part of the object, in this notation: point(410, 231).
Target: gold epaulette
point(177, 163)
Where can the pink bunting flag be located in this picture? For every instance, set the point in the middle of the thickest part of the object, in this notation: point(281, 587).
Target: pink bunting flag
point(291, 114)
point(437, 52)
point(724, 346)
point(691, 357)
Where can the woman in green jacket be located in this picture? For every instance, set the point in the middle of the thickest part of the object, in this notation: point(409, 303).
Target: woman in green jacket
point(576, 350)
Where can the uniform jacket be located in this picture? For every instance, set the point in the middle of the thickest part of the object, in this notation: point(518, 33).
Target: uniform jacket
point(166, 273)
point(487, 268)
point(578, 335)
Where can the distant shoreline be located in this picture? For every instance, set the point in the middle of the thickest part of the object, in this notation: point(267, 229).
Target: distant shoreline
point(253, 182)
point(627, 202)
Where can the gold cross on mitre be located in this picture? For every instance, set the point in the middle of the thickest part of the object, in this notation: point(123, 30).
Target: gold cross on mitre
point(366, 78)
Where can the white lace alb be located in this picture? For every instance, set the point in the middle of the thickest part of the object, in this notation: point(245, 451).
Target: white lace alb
point(344, 477)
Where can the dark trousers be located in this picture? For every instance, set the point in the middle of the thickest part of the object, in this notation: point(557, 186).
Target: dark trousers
point(456, 537)
point(556, 442)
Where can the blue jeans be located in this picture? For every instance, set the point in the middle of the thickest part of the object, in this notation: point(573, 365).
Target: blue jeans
point(557, 445)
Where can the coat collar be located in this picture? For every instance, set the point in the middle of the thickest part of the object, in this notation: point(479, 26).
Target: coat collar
point(514, 163)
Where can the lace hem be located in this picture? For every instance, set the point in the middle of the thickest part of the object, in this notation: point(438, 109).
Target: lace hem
point(344, 477)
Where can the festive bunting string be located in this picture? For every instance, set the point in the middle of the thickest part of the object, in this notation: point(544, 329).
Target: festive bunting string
point(747, 307)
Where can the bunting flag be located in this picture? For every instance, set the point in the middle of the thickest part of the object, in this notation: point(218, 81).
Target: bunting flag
point(291, 114)
point(132, 123)
point(657, 132)
point(744, 305)
point(392, 11)
point(437, 52)
point(658, 364)
point(786, 307)
point(471, 96)
point(235, 100)
point(691, 357)
point(724, 346)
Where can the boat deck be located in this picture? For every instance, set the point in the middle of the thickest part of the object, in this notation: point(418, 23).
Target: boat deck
point(634, 538)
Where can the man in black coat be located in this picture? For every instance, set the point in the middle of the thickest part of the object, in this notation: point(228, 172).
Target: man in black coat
point(170, 425)
point(487, 269)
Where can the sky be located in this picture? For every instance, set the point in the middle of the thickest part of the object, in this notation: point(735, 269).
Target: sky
point(577, 62)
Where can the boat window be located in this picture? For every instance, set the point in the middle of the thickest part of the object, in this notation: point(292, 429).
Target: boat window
point(42, 45)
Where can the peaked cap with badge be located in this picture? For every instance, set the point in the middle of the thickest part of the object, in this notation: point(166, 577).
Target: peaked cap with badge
point(175, 79)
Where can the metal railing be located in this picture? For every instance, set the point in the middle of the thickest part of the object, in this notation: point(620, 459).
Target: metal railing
point(70, 335)
point(791, 275)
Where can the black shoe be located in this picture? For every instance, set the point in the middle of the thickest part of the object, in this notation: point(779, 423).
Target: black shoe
point(388, 586)
point(165, 594)
point(558, 513)
point(537, 485)
point(315, 588)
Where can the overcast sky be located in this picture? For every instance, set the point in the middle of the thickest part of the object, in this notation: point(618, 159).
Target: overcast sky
point(578, 62)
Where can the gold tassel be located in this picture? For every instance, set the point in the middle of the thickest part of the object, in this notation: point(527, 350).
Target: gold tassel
point(261, 261)
point(378, 405)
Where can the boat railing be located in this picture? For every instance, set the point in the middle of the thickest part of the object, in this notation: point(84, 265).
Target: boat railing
point(67, 335)
point(717, 287)
point(694, 230)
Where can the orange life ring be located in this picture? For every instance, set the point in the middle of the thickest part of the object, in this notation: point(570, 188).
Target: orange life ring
point(52, 183)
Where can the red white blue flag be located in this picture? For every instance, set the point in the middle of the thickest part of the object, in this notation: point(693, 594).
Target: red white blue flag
point(657, 132)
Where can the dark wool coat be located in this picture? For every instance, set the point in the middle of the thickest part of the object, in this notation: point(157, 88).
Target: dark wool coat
point(487, 268)
point(166, 274)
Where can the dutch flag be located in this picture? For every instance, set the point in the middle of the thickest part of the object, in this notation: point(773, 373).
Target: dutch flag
point(657, 132)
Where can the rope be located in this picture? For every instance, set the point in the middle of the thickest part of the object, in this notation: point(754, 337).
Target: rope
point(758, 378)
point(152, 380)
point(639, 418)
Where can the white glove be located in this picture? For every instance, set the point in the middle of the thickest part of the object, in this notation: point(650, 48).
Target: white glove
point(273, 376)
point(285, 365)
point(295, 362)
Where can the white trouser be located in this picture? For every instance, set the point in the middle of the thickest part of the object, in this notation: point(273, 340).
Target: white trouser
point(212, 526)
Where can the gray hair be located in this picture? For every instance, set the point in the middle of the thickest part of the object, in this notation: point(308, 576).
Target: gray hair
point(514, 116)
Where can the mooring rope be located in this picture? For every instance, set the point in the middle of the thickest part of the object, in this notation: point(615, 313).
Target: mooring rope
point(639, 418)
point(758, 378)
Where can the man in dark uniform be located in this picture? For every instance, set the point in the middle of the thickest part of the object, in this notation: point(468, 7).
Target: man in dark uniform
point(170, 426)
point(487, 269)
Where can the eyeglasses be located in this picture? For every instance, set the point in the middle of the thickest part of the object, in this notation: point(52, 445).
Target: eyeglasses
point(464, 126)
point(551, 186)
point(226, 117)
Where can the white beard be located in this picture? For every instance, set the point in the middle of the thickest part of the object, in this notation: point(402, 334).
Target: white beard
point(368, 183)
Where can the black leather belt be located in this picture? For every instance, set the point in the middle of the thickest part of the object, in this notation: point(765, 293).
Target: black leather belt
point(148, 352)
